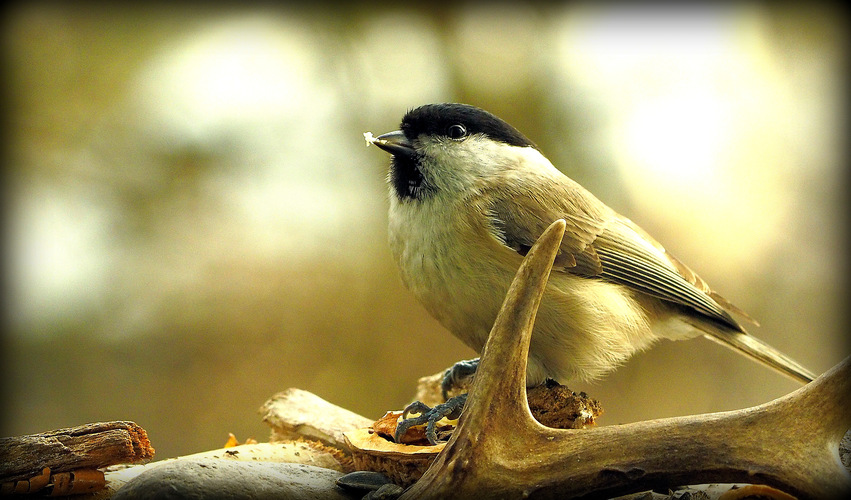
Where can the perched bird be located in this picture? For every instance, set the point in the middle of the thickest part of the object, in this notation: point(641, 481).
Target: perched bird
point(470, 194)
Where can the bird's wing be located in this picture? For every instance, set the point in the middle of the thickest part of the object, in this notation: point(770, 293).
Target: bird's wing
point(631, 257)
point(519, 215)
point(599, 243)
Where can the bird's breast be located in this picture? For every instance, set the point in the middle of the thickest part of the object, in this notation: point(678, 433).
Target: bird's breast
point(450, 261)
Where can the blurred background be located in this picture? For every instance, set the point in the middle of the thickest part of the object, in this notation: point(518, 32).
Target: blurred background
point(193, 222)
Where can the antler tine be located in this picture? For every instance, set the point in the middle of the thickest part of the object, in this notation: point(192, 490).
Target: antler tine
point(496, 404)
point(498, 392)
point(498, 450)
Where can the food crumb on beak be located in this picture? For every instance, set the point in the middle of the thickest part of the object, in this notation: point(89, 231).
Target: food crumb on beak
point(368, 138)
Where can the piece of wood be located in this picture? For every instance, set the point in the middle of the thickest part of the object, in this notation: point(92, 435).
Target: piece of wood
point(295, 413)
point(89, 446)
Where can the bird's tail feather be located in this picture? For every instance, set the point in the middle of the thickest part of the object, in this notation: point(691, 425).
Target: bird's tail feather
point(760, 351)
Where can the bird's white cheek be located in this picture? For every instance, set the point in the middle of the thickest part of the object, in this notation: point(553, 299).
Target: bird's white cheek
point(457, 168)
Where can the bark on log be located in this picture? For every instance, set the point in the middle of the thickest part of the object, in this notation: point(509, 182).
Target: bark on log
point(89, 446)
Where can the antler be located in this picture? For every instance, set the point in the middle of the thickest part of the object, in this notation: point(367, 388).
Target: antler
point(499, 450)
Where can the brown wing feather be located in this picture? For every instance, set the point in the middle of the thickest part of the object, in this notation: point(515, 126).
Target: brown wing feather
point(631, 257)
point(600, 243)
point(518, 217)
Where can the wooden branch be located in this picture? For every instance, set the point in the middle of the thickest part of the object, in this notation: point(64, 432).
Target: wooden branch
point(295, 413)
point(89, 446)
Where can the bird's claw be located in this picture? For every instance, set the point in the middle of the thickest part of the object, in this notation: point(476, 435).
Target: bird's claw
point(457, 374)
point(451, 409)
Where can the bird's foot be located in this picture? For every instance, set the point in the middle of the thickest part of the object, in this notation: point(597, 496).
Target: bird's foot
point(451, 409)
point(458, 374)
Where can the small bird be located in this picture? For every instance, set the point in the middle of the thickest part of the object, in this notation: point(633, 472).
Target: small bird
point(470, 194)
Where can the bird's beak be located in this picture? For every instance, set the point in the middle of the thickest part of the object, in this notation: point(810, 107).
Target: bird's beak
point(395, 143)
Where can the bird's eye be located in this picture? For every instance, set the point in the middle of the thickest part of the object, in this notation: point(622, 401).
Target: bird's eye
point(456, 131)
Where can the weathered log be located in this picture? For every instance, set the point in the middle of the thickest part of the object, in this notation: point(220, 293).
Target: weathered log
point(89, 446)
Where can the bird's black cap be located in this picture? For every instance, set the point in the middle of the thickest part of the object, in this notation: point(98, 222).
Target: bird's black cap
point(435, 119)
